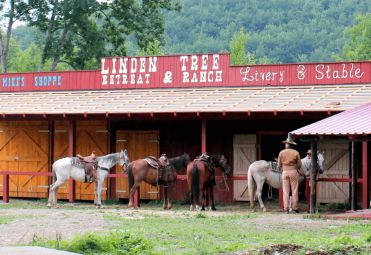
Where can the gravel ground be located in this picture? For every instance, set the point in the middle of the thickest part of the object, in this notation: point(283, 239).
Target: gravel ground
point(22, 225)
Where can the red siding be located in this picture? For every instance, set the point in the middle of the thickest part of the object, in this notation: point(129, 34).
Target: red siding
point(203, 70)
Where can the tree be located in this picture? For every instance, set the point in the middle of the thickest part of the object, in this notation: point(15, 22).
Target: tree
point(153, 49)
point(10, 12)
point(358, 46)
point(238, 47)
point(80, 32)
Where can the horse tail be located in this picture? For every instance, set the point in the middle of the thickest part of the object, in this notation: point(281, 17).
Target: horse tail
point(130, 176)
point(251, 184)
point(195, 182)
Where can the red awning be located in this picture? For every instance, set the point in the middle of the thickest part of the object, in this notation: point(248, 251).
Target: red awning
point(356, 121)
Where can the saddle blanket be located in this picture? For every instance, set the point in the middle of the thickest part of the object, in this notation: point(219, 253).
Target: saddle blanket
point(76, 162)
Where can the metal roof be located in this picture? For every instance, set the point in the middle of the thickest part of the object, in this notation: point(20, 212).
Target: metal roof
point(220, 99)
point(356, 121)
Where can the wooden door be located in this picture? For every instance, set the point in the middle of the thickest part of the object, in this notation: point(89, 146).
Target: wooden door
point(139, 145)
point(336, 166)
point(24, 148)
point(244, 153)
point(90, 136)
point(61, 151)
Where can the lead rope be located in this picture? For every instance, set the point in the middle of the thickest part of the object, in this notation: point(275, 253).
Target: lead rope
point(270, 192)
point(157, 175)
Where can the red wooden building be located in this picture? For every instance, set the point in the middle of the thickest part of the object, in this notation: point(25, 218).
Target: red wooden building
point(173, 104)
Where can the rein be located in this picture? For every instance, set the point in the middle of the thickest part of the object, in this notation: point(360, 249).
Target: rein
point(103, 168)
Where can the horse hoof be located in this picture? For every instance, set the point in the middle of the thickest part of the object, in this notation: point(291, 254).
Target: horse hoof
point(169, 207)
point(213, 208)
point(264, 209)
point(49, 205)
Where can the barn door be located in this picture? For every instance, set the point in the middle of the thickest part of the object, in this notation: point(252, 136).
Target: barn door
point(139, 144)
point(244, 153)
point(24, 148)
point(61, 151)
point(336, 166)
point(90, 136)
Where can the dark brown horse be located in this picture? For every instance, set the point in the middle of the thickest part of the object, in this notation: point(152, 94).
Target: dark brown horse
point(140, 170)
point(201, 177)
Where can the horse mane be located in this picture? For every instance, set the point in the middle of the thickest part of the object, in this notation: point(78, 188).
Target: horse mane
point(108, 159)
point(180, 162)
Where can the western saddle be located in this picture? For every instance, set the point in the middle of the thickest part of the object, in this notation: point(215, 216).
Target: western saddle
point(90, 164)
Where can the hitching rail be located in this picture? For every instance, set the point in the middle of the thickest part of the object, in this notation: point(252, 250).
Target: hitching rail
point(6, 175)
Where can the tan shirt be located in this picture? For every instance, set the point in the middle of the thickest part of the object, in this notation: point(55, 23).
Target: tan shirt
point(289, 159)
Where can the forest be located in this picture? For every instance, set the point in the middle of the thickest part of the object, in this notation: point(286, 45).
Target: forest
point(271, 31)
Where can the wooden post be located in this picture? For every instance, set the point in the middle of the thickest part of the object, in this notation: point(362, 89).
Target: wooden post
point(51, 148)
point(5, 188)
point(307, 194)
point(354, 179)
point(111, 190)
point(71, 153)
point(365, 183)
point(203, 136)
point(313, 177)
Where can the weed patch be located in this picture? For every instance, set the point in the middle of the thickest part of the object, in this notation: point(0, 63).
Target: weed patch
point(113, 243)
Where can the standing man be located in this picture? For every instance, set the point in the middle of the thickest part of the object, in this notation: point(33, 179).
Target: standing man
point(290, 162)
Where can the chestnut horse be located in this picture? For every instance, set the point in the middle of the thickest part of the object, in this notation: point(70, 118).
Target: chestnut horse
point(139, 170)
point(201, 177)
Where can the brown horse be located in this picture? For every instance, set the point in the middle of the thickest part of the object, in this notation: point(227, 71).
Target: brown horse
point(201, 177)
point(140, 170)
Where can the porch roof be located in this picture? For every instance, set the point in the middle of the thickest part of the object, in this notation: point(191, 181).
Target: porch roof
point(222, 99)
point(356, 121)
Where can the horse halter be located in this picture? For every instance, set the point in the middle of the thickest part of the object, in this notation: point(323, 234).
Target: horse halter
point(124, 166)
point(308, 165)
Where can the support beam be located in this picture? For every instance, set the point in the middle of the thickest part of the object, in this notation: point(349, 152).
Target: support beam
point(365, 184)
point(313, 177)
point(71, 153)
point(111, 147)
point(353, 200)
point(51, 148)
point(203, 136)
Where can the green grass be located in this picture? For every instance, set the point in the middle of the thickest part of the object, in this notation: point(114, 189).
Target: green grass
point(6, 219)
point(183, 232)
point(212, 235)
point(112, 243)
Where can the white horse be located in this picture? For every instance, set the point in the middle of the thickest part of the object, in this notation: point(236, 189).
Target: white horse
point(261, 171)
point(63, 170)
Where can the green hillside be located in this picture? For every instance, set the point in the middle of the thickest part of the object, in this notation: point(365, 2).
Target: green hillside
point(281, 30)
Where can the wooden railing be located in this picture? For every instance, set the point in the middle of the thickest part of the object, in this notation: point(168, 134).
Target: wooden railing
point(6, 175)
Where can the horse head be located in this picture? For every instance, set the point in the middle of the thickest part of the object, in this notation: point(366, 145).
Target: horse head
point(222, 162)
point(320, 162)
point(179, 163)
point(124, 160)
point(186, 160)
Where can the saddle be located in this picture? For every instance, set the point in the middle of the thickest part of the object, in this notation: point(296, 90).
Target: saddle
point(274, 166)
point(90, 165)
point(162, 165)
point(157, 163)
point(209, 165)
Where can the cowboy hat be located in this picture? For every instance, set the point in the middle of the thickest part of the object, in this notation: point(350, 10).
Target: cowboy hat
point(289, 141)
